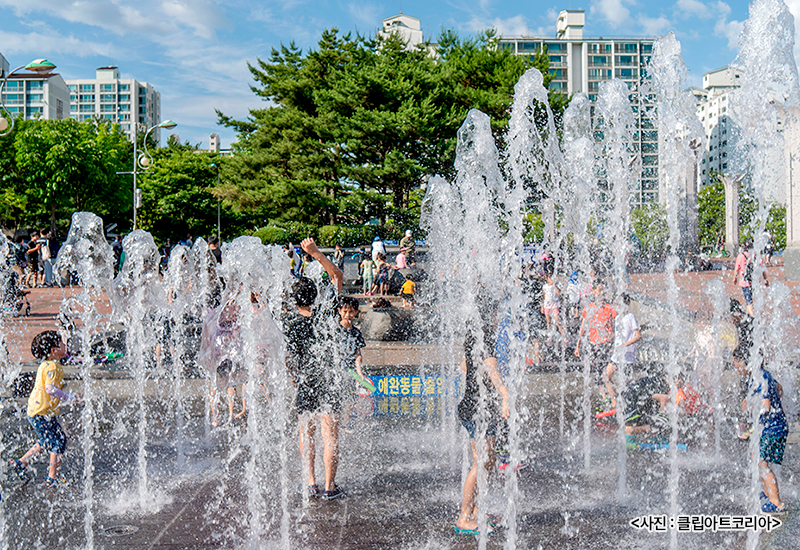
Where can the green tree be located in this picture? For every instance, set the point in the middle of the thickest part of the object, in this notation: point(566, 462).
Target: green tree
point(65, 166)
point(649, 223)
point(178, 195)
point(711, 213)
point(358, 116)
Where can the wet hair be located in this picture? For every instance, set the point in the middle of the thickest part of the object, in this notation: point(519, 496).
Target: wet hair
point(626, 298)
point(213, 240)
point(381, 256)
point(598, 283)
point(748, 244)
point(408, 276)
point(304, 291)
point(345, 301)
point(741, 352)
point(44, 343)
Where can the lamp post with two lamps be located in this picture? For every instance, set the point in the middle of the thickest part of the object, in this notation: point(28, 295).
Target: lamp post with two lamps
point(39, 66)
point(143, 159)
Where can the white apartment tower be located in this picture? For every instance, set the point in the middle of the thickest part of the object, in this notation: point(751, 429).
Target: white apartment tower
point(580, 64)
point(712, 110)
point(34, 95)
point(119, 100)
point(213, 143)
point(407, 27)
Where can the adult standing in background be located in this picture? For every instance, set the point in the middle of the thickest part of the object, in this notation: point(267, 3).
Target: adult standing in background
point(49, 251)
point(34, 248)
point(409, 247)
point(377, 248)
point(213, 247)
point(16, 257)
point(338, 257)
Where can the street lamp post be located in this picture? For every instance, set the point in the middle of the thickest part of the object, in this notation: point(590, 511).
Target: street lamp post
point(219, 205)
point(39, 66)
point(143, 159)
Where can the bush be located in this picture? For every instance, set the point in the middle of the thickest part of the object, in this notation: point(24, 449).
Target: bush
point(298, 231)
point(347, 235)
point(272, 235)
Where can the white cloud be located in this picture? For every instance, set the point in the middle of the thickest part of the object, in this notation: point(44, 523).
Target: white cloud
point(654, 26)
point(369, 15)
point(149, 17)
point(731, 30)
point(613, 11)
point(692, 8)
point(48, 42)
point(513, 26)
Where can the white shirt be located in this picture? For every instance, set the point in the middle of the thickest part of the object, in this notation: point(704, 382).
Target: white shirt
point(377, 246)
point(624, 329)
point(550, 297)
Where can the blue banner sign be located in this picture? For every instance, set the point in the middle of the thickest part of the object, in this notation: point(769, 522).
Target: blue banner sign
point(409, 394)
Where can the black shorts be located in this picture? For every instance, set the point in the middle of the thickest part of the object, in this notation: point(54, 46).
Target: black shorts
point(599, 357)
point(315, 396)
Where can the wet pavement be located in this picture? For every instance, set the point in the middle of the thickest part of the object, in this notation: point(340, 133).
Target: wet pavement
point(402, 476)
point(237, 486)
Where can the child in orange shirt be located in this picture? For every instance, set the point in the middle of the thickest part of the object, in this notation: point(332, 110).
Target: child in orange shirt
point(407, 292)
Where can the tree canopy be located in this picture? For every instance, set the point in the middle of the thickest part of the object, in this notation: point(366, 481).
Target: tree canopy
point(352, 126)
point(51, 168)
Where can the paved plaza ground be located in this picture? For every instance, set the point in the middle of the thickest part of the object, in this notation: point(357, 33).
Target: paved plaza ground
point(207, 489)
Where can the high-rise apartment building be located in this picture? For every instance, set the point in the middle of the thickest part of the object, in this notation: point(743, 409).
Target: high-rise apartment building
point(580, 64)
point(34, 95)
point(720, 156)
point(712, 110)
point(120, 100)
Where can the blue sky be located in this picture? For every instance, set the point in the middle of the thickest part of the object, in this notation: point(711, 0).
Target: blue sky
point(195, 52)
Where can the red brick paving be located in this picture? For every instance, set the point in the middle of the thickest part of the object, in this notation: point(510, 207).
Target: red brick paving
point(46, 301)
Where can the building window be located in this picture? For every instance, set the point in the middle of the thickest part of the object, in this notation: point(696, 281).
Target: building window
point(87, 108)
point(108, 98)
point(34, 84)
point(124, 87)
point(73, 87)
point(87, 88)
point(528, 45)
point(108, 108)
point(86, 98)
point(73, 107)
point(59, 109)
point(106, 87)
point(627, 73)
point(600, 60)
point(125, 107)
point(599, 48)
point(13, 98)
point(124, 97)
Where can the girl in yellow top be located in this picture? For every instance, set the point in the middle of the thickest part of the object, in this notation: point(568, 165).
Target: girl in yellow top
point(43, 407)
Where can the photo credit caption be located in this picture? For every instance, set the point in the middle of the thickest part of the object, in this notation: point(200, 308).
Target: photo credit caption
point(701, 523)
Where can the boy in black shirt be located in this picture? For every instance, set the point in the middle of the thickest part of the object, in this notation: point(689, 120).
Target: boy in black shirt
point(311, 345)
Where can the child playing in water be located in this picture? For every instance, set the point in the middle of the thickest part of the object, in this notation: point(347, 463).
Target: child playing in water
point(43, 408)
point(766, 393)
point(407, 291)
